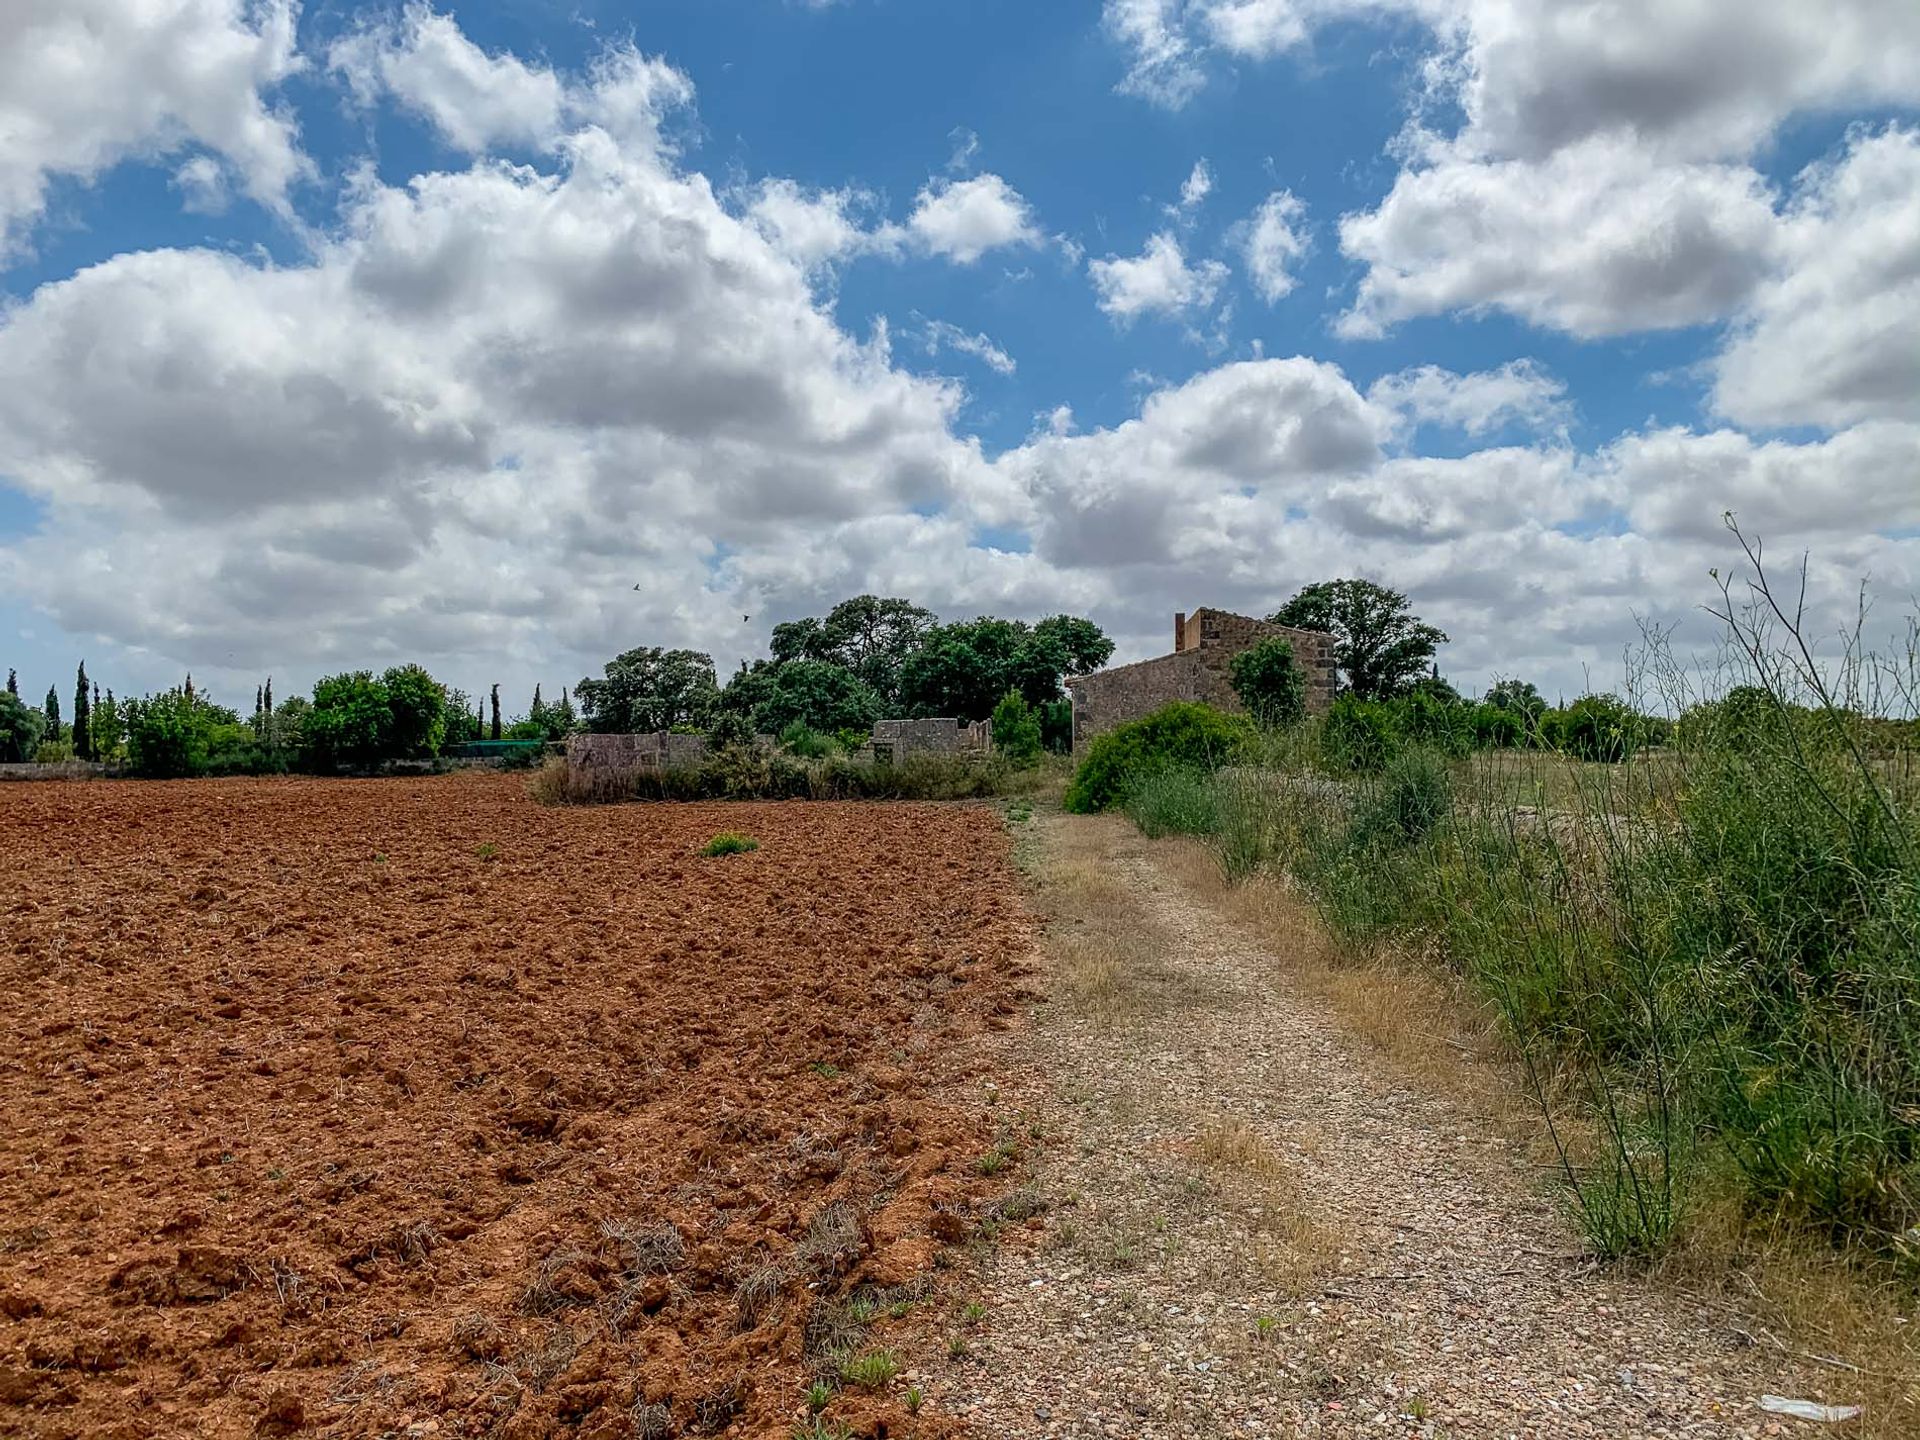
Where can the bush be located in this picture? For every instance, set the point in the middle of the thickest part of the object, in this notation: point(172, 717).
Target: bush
point(1175, 802)
point(729, 843)
point(1184, 735)
point(1497, 727)
point(1359, 735)
point(1424, 718)
point(808, 744)
point(1405, 804)
point(52, 752)
point(1270, 683)
point(1016, 729)
point(1601, 728)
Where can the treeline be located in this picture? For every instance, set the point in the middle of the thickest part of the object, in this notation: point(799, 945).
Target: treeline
point(353, 721)
point(869, 658)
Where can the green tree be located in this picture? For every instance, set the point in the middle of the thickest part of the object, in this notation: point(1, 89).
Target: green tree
point(1016, 729)
point(51, 710)
point(1380, 646)
point(870, 635)
point(82, 718)
point(351, 722)
point(13, 684)
point(418, 706)
point(1518, 696)
point(1084, 644)
point(107, 729)
point(650, 689)
point(169, 735)
point(21, 727)
point(817, 694)
point(463, 718)
point(496, 712)
point(1270, 683)
point(964, 669)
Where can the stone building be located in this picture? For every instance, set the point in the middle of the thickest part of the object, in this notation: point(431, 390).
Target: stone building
point(1204, 644)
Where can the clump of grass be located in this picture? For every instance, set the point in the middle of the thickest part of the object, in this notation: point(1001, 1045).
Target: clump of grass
point(871, 1371)
point(488, 851)
point(998, 1158)
point(913, 1399)
point(1175, 802)
point(819, 1396)
point(729, 843)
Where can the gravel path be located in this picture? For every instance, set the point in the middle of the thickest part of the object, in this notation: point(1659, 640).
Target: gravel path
point(1261, 1231)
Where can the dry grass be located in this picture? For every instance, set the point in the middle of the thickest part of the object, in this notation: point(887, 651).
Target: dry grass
point(1103, 944)
point(1294, 1247)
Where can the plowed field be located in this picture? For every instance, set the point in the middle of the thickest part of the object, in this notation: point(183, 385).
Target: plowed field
point(410, 1107)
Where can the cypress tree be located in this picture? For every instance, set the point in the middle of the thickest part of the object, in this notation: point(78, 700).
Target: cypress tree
point(13, 684)
point(52, 710)
point(82, 718)
point(269, 694)
point(496, 712)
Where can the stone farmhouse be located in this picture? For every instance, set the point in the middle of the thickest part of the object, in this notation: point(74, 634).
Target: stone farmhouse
point(1204, 644)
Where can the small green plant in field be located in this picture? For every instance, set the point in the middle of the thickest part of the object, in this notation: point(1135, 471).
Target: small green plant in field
point(862, 1309)
point(972, 1313)
point(871, 1371)
point(819, 1396)
point(1417, 1408)
point(818, 1427)
point(825, 1069)
point(1266, 1327)
point(729, 843)
point(488, 851)
point(913, 1399)
point(995, 1160)
point(1019, 812)
point(957, 1346)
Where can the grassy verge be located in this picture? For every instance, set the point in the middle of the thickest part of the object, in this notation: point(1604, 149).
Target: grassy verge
point(751, 773)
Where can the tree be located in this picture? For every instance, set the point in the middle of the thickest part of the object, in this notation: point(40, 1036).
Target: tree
point(351, 722)
point(965, 668)
point(51, 710)
point(21, 727)
point(82, 718)
point(169, 735)
point(1085, 644)
point(1380, 646)
point(651, 689)
point(108, 728)
point(1518, 696)
point(1016, 729)
point(1270, 683)
point(418, 704)
point(13, 684)
point(814, 693)
point(496, 712)
point(869, 635)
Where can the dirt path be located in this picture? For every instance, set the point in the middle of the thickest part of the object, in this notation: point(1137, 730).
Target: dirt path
point(1263, 1232)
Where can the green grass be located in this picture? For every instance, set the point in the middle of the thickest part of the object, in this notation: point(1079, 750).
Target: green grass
point(729, 843)
point(871, 1371)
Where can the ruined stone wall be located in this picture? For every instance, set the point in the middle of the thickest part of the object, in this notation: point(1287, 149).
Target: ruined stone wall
point(1199, 669)
point(931, 737)
point(656, 750)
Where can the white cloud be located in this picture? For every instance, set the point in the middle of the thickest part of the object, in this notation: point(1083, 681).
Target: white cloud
point(86, 84)
point(1157, 281)
point(1834, 337)
point(1518, 393)
point(203, 183)
point(1194, 189)
point(479, 102)
point(1597, 239)
point(1166, 66)
point(941, 334)
point(964, 219)
point(1275, 239)
point(813, 227)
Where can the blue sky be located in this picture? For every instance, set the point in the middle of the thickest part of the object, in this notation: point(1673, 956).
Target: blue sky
point(348, 333)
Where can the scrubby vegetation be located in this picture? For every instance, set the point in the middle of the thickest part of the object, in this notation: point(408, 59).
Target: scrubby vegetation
point(752, 772)
point(1702, 940)
point(1183, 736)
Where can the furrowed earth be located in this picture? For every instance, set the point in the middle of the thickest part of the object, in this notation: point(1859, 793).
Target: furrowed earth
point(412, 1107)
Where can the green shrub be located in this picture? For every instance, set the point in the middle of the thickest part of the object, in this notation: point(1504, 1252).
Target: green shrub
point(53, 752)
point(1497, 727)
point(1175, 802)
point(730, 730)
point(729, 843)
point(168, 735)
point(1016, 729)
point(1270, 683)
point(1426, 719)
point(1602, 728)
point(807, 743)
point(21, 727)
point(1404, 805)
point(1359, 735)
point(1184, 735)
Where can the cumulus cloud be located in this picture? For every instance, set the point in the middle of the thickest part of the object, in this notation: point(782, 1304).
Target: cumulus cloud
point(1597, 239)
point(86, 84)
point(1518, 393)
point(964, 219)
point(1275, 240)
point(1157, 281)
point(1834, 337)
point(478, 102)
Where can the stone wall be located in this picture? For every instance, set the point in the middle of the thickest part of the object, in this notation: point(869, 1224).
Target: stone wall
point(657, 750)
point(1200, 668)
point(897, 738)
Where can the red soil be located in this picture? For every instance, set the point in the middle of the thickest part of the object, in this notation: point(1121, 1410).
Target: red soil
point(411, 1107)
